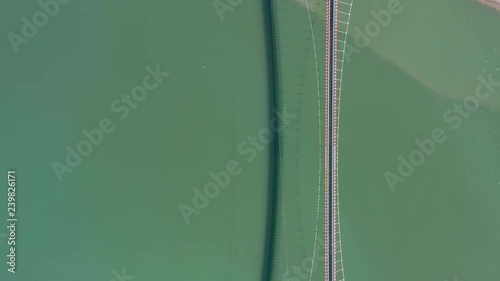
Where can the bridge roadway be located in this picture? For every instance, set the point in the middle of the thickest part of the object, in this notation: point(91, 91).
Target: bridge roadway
point(331, 120)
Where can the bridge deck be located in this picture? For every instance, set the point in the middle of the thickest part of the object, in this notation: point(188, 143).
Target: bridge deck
point(330, 140)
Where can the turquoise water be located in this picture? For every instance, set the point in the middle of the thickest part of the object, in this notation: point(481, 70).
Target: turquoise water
point(119, 208)
point(441, 222)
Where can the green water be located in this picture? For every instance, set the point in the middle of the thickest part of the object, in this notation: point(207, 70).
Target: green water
point(442, 222)
point(119, 208)
point(300, 58)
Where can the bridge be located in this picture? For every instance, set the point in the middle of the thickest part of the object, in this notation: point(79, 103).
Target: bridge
point(337, 24)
